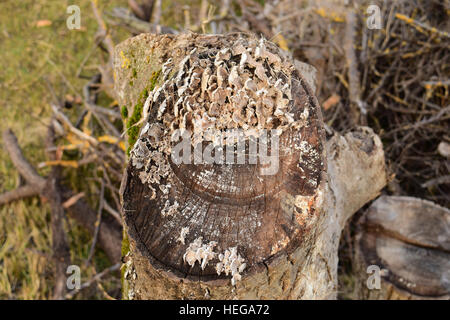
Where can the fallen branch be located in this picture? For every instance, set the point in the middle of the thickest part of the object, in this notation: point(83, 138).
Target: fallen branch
point(110, 234)
point(107, 40)
point(18, 194)
point(20, 162)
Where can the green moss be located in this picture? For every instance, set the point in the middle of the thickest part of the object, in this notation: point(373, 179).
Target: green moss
point(237, 8)
point(154, 79)
point(133, 131)
point(124, 112)
point(125, 244)
point(125, 250)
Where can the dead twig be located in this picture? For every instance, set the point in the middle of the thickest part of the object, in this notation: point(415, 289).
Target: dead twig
point(110, 232)
point(72, 200)
point(18, 194)
point(97, 223)
point(419, 26)
point(436, 181)
point(137, 9)
point(61, 117)
point(113, 212)
point(107, 40)
point(354, 90)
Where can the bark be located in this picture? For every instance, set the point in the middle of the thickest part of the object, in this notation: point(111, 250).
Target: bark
point(285, 227)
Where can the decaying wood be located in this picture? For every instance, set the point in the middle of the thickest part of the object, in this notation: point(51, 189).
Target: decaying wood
point(223, 231)
point(408, 239)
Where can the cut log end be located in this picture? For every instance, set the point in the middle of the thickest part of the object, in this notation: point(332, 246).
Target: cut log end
point(218, 220)
point(408, 240)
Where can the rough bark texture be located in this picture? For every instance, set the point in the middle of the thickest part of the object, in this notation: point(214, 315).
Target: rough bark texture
point(408, 239)
point(286, 226)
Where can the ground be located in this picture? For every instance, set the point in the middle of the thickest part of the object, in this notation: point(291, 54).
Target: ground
point(32, 58)
point(43, 59)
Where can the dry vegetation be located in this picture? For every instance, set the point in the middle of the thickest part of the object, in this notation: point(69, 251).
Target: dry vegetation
point(395, 80)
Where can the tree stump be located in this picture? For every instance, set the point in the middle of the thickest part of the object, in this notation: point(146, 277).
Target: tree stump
point(250, 223)
point(407, 242)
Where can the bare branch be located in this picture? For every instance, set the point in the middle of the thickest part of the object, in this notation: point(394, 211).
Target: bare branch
point(97, 223)
point(107, 40)
point(132, 22)
point(18, 194)
point(110, 233)
point(20, 162)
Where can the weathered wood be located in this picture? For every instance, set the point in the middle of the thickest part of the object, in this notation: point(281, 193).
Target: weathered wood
point(408, 239)
point(192, 227)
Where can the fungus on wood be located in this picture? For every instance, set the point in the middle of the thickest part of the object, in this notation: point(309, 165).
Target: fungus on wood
point(226, 221)
point(407, 240)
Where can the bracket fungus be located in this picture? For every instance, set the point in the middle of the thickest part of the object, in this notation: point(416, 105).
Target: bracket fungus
point(239, 83)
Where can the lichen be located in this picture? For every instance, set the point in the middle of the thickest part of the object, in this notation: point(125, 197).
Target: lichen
point(125, 61)
point(147, 156)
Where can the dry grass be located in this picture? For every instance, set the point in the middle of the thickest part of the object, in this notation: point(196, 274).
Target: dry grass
point(30, 57)
point(312, 30)
point(33, 57)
